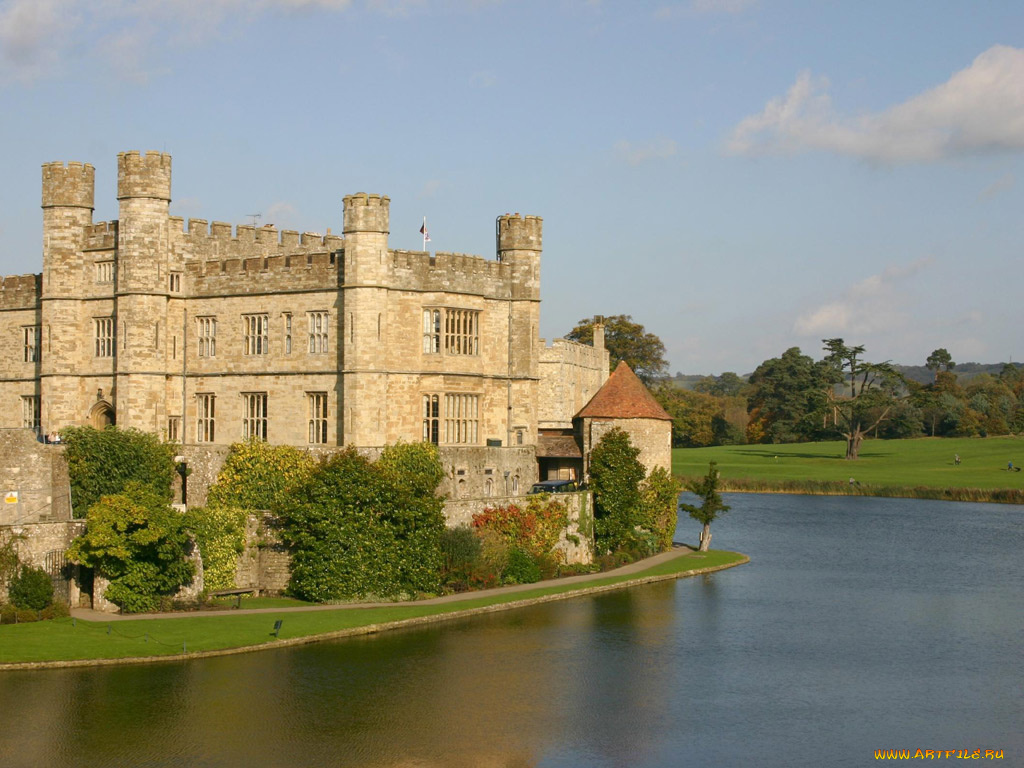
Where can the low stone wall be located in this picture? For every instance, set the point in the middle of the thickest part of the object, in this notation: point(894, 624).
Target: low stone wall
point(265, 563)
point(577, 541)
point(42, 545)
point(34, 484)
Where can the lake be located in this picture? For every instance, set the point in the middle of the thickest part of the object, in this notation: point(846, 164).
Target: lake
point(860, 624)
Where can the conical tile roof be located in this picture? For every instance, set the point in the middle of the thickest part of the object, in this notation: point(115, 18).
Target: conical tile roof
point(623, 396)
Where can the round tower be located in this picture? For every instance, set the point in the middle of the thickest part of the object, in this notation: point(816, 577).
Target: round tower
point(68, 192)
point(518, 233)
point(363, 320)
point(68, 276)
point(143, 267)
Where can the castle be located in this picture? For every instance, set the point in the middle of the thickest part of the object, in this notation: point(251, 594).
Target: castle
point(208, 334)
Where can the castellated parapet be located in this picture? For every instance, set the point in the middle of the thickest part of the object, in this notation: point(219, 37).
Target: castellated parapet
point(20, 291)
point(519, 233)
point(147, 175)
point(68, 186)
point(366, 213)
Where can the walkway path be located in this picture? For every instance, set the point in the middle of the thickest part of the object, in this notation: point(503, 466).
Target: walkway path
point(678, 550)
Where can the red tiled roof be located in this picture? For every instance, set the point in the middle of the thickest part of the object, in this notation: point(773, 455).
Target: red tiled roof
point(623, 396)
point(558, 446)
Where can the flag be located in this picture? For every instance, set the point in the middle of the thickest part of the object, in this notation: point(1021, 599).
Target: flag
point(423, 231)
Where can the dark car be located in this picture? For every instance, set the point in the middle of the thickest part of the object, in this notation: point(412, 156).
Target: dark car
point(554, 486)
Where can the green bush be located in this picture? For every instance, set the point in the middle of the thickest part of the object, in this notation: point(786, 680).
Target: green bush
point(359, 529)
point(138, 542)
point(55, 611)
point(521, 568)
point(615, 476)
point(104, 462)
point(8, 614)
point(219, 533)
point(258, 476)
point(460, 557)
point(31, 589)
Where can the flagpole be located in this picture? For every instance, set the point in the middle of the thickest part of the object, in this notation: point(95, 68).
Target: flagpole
point(424, 231)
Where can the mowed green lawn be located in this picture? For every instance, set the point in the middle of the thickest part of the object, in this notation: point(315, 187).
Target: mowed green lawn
point(68, 639)
point(926, 462)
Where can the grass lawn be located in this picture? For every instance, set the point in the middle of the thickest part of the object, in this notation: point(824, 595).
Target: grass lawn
point(67, 639)
point(924, 462)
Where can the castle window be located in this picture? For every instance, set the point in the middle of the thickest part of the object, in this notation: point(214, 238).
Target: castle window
point(104, 327)
point(33, 335)
point(30, 412)
point(205, 421)
point(515, 485)
point(461, 332)
point(461, 419)
point(287, 332)
point(254, 416)
point(207, 333)
point(104, 271)
point(256, 329)
point(431, 331)
point(431, 422)
point(489, 487)
point(173, 429)
point(318, 332)
point(174, 282)
point(317, 417)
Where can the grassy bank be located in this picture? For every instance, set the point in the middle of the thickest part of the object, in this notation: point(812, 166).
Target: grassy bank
point(70, 640)
point(920, 468)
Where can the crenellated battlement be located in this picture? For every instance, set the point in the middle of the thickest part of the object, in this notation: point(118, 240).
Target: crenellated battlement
point(519, 233)
point(208, 239)
point(143, 175)
point(459, 272)
point(101, 236)
point(317, 270)
point(366, 213)
point(68, 185)
point(20, 291)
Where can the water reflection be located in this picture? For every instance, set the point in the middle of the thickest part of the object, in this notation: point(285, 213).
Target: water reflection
point(856, 626)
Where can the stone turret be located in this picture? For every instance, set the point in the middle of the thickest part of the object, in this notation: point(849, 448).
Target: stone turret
point(363, 320)
point(68, 192)
point(143, 267)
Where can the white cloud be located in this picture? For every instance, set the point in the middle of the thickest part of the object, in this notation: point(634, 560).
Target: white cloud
point(637, 154)
point(874, 304)
point(979, 109)
point(34, 33)
point(281, 214)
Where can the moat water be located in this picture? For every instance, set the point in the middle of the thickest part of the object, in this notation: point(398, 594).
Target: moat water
point(860, 624)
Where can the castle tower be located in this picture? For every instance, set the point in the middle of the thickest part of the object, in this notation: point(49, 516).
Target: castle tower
point(363, 321)
point(67, 202)
point(519, 241)
point(143, 254)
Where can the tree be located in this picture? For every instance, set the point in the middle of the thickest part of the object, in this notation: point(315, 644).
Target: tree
point(711, 506)
point(873, 391)
point(787, 398)
point(103, 462)
point(138, 542)
point(726, 385)
point(615, 476)
point(940, 359)
point(625, 340)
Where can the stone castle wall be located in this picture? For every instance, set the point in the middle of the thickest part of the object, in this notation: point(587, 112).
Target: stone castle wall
point(570, 374)
point(33, 480)
point(652, 436)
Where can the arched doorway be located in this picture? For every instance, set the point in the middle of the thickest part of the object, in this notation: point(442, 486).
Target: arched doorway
point(101, 415)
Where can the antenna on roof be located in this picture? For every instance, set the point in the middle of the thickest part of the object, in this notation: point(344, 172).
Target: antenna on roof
point(255, 218)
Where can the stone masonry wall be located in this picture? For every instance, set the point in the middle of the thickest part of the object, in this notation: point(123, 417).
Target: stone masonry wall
point(652, 436)
point(33, 480)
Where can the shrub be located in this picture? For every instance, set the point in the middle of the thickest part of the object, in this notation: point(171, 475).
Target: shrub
point(615, 475)
point(460, 557)
point(521, 568)
point(256, 475)
point(8, 614)
point(32, 588)
point(360, 529)
point(104, 462)
point(535, 528)
point(659, 508)
point(220, 535)
point(140, 544)
point(55, 611)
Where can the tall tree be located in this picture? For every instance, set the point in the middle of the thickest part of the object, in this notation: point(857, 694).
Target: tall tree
point(711, 506)
point(940, 360)
point(625, 340)
point(787, 398)
point(873, 389)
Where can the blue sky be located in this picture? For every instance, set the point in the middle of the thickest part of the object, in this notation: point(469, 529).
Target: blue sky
point(740, 176)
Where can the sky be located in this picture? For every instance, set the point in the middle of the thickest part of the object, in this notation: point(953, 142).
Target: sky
point(739, 176)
